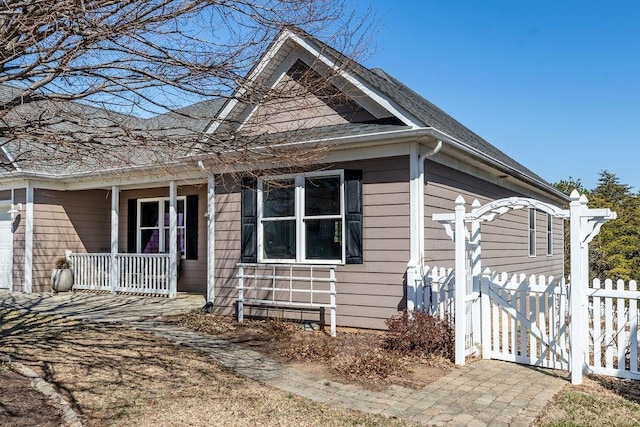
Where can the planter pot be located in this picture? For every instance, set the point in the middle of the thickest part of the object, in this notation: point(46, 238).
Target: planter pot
point(61, 280)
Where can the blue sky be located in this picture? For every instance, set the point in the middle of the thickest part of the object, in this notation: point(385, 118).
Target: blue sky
point(554, 84)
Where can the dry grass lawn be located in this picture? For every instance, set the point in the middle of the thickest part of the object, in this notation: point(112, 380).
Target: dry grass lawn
point(599, 401)
point(116, 376)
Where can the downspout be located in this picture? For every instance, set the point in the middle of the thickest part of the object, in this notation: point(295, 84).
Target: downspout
point(421, 159)
point(414, 266)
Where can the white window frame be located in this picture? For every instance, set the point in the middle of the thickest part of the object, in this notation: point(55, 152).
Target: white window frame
point(531, 234)
point(161, 225)
point(300, 217)
point(549, 235)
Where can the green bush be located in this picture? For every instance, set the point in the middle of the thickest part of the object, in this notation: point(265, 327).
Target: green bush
point(419, 333)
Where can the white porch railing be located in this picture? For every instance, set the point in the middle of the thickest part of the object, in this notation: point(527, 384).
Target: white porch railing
point(91, 271)
point(288, 285)
point(136, 273)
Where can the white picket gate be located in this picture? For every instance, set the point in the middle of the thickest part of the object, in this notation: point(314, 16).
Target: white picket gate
point(525, 320)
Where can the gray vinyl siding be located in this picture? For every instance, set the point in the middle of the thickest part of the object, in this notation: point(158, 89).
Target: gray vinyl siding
point(193, 273)
point(505, 241)
point(65, 221)
point(370, 293)
point(227, 244)
point(367, 294)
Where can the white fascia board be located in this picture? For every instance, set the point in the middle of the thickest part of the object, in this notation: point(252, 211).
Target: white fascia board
point(126, 181)
point(394, 109)
point(259, 68)
point(315, 52)
point(523, 179)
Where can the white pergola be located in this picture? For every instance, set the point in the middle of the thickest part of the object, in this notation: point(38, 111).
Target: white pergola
point(585, 224)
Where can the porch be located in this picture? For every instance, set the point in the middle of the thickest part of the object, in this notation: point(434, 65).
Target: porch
point(151, 247)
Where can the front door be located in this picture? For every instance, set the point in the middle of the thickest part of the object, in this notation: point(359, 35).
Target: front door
point(6, 247)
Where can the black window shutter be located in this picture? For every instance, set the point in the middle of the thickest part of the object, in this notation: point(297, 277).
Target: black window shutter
point(353, 216)
point(249, 219)
point(132, 226)
point(191, 251)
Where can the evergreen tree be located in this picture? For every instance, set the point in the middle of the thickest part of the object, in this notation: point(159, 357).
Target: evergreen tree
point(615, 252)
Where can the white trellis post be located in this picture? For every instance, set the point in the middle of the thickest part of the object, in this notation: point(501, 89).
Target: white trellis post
point(577, 330)
point(460, 284)
point(475, 239)
point(585, 225)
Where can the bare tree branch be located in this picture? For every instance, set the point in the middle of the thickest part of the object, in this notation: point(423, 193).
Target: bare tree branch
point(103, 82)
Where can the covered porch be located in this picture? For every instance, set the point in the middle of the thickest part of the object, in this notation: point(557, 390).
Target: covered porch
point(151, 243)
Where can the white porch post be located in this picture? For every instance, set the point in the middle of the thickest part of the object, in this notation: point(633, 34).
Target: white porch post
point(173, 240)
point(460, 281)
point(414, 214)
point(28, 240)
point(211, 238)
point(113, 270)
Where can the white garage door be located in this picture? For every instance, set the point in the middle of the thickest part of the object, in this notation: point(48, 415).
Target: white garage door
point(6, 248)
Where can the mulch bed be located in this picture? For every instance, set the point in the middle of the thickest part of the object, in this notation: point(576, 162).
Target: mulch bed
point(21, 405)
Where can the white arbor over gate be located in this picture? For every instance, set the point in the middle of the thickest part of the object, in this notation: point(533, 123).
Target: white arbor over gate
point(585, 224)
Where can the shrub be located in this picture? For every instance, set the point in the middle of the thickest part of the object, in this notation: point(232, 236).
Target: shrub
point(311, 347)
point(204, 322)
point(419, 333)
point(369, 364)
point(279, 330)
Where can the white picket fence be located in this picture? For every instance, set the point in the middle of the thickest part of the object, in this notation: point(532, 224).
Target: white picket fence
point(525, 319)
point(613, 328)
point(435, 295)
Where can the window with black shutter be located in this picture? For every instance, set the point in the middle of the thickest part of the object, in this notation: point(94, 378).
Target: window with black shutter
point(305, 218)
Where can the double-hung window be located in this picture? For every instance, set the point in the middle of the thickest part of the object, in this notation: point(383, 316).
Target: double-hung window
point(153, 225)
point(301, 218)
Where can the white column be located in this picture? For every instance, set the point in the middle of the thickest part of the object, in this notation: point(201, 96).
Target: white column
point(576, 325)
point(460, 278)
point(113, 270)
point(211, 238)
point(173, 240)
point(28, 240)
point(414, 201)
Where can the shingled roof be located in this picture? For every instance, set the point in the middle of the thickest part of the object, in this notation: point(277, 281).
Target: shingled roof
point(195, 118)
point(422, 109)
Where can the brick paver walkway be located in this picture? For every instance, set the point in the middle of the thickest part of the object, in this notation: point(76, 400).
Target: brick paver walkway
point(479, 394)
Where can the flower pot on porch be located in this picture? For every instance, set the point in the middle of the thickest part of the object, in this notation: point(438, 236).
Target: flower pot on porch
point(61, 280)
point(62, 276)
